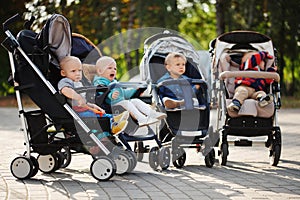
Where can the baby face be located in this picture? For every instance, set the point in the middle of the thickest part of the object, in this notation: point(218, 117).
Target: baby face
point(176, 67)
point(73, 71)
point(110, 72)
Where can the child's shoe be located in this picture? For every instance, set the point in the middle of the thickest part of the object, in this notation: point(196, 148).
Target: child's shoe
point(123, 116)
point(147, 121)
point(235, 105)
point(201, 107)
point(118, 127)
point(197, 105)
point(172, 103)
point(266, 100)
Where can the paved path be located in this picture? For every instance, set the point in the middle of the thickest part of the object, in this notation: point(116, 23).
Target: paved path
point(247, 175)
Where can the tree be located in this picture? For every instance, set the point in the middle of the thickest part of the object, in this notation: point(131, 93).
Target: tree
point(8, 8)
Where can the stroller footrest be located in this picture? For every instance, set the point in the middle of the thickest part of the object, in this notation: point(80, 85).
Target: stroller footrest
point(243, 142)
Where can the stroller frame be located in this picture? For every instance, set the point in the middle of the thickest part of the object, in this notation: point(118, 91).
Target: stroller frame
point(244, 126)
point(23, 167)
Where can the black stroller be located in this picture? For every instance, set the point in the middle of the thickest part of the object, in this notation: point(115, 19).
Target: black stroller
point(252, 120)
point(54, 130)
point(187, 126)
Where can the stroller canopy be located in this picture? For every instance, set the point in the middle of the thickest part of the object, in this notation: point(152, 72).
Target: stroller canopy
point(163, 43)
point(240, 41)
point(56, 37)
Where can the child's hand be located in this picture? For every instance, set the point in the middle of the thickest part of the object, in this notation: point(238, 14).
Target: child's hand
point(115, 94)
point(81, 102)
point(95, 108)
point(267, 55)
point(98, 108)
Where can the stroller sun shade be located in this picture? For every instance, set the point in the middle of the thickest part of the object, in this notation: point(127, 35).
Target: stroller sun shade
point(56, 37)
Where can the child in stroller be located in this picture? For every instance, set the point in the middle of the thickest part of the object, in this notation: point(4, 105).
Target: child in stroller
point(172, 95)
point(106, 69)
point(71, 69)
point(122, 96)
point(251, 87)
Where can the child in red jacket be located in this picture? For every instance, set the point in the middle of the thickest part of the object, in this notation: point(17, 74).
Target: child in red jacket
point(252, 87)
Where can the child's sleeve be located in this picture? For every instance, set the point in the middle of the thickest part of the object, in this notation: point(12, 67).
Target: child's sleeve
point(129, 92)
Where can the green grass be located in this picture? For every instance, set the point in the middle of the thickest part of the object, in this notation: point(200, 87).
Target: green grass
point(290, 102)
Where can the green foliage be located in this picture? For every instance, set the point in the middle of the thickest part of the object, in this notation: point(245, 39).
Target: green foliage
point(199, 23)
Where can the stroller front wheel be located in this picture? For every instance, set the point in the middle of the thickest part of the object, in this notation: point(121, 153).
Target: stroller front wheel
point(22, 168)
point(210, 159)
point(164, 157)
point(103, 168)
point(179, 157)
point(223, 154)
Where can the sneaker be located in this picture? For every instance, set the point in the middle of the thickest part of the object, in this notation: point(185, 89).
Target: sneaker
point(158, 115)
point(123, 116)
point(147, 121)
point(201, 107)
point(172, 103)
point(197, 105)
point(118, 127)
point(266, 100)
point(235, 105)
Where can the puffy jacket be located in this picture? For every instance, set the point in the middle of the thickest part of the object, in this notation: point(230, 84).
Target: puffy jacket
point(252, 64)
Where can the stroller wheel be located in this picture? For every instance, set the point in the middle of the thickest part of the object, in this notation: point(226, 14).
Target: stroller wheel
point(210, 159)
point(223, 154)
point(133, 160)
point(275, 150)
point(103, 168)
point(164, 157)
point(66, 155)
point(48, 163)
point(178, 157)
point(123, 163)
point(21, 168)
point(139, 149)
point(275, 155)
point(35, 166)
point(153, 157)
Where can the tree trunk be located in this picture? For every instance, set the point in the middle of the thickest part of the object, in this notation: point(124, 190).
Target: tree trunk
point(220, 9)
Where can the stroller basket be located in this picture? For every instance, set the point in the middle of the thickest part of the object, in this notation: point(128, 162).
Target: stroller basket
point(37, 128)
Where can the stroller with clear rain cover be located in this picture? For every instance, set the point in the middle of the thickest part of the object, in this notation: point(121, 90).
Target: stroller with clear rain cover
point(54, 131)
point(133, 133)
point(251, 120)
point(187, 126)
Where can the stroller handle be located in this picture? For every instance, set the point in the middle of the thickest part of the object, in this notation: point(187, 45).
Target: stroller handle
point(11, 20)
point(249, 74)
